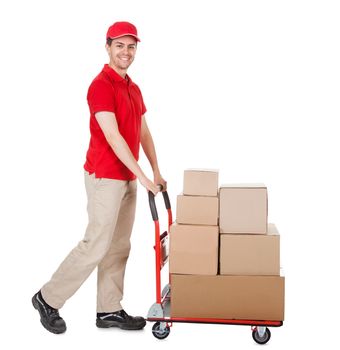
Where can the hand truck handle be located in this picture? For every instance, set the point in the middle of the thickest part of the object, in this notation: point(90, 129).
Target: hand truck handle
point(152, 203)
point(159, 237)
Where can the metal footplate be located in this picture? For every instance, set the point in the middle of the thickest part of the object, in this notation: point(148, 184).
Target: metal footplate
point(156, 311)
point(161, 310)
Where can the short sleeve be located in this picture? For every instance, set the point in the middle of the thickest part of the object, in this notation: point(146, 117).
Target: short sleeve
point(143, 106)
point(100, 97)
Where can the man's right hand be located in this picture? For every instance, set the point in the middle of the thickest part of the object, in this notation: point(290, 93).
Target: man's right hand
point(149, 185)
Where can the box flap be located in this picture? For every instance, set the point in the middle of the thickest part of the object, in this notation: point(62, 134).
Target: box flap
point(203, 169)
point(244, 185)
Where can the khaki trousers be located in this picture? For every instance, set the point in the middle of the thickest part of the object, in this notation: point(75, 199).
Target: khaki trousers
point(106, 245)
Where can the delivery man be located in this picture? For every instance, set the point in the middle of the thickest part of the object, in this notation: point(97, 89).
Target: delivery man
point(118, 127)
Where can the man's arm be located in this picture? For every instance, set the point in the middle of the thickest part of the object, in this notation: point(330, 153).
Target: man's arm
point(150, 152)
point(108, 123)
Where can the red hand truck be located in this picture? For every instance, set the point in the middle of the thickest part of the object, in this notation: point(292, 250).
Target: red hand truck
point(160, 311)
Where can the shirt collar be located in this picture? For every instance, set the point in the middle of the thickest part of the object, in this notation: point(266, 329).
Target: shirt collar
point(114, 76)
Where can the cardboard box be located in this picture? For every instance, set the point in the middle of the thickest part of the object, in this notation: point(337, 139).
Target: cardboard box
point(243, 208)
point(200, 182)
point(228, 297)
point(193, 249)
point(250, 254)
point(197, 210)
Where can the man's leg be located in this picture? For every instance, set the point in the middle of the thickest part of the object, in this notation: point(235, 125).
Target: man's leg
point(104, 200)
point(111, 269)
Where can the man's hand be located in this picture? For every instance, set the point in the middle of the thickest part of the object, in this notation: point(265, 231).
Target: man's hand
point(158, 180)
point(148, 184)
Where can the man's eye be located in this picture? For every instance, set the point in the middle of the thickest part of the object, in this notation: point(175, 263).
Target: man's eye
point(119, 46)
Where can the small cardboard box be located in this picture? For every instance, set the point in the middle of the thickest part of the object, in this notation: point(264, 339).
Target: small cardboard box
point(242, 254)
point(200, 182)
point(228, 297)
point(197, 210)
point(243, 208)
point(193, 249)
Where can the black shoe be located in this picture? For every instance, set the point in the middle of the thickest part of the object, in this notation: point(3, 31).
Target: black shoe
point(49, 317)
point(120, 319)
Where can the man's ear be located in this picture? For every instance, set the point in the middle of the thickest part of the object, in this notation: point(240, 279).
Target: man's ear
point(107, 47)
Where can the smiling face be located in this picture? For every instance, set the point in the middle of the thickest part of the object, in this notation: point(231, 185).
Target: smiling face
point(122, 52)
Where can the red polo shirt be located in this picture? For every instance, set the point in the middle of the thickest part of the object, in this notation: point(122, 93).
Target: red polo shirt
point(112, 93)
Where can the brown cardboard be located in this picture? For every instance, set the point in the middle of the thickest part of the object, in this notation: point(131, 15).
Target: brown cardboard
point(243, 208)
point(197, 210)
point(228, 297)
point(200, 182)
point(242, 254)
point(193, 249)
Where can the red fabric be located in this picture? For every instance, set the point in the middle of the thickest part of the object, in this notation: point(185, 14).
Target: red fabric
point(112, 93)
point(120, 29)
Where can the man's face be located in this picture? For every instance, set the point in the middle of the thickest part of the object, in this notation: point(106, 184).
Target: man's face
point(122, 52)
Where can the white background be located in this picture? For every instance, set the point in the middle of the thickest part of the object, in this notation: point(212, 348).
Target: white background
point(248, 87)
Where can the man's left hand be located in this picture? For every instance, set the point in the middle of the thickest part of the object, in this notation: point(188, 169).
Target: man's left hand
point(158, 180)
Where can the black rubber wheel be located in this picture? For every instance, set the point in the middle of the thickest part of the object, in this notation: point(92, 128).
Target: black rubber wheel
point(158, 333)
point(261, 340)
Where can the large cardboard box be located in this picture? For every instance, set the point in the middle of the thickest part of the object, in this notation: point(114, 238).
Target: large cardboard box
point(250, 254)
point(243, 208)
point(228, 297)
point(193, 249)
point(200, 182)
point(197, 210)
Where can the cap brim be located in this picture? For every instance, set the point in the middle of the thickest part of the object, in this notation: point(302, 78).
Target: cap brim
point(126, 34)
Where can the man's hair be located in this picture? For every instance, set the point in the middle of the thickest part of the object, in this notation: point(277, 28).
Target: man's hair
point(109, 41)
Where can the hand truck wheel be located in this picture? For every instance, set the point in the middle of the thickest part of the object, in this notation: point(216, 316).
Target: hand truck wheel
point(261, 335)
point(160, 330)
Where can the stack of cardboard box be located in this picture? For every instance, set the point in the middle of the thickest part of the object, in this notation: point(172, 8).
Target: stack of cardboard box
point(230, 229)
point(194, 236)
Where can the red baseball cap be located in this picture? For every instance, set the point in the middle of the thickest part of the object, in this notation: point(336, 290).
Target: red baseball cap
point(119, 29)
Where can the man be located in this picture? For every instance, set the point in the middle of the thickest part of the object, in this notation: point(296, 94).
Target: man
point(118, 126)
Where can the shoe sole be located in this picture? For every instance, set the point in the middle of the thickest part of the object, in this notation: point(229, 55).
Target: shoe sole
point(46, 326)
point(108, 324)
